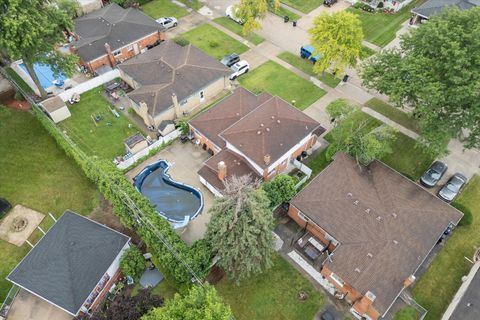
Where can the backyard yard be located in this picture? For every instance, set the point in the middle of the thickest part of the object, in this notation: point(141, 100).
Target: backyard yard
point(272, 295)
point(163, 8)
point(213, 41)
point(35, 173)
point(302, 5)
point(278, 81)
point(103, 138)
point(438, 285)
point(380, 28)
point(235, 27)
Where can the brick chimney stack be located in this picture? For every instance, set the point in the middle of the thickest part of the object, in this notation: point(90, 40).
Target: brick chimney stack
point(222, 170)
point(407, 282)
point(176, 106)
point(111, 58)
point(267, 159)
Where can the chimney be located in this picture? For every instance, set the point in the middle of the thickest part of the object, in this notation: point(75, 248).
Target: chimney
point(407, 282)
point(266, 159)
point(176, 106)
point(111, 58)
point(362, 305)
point(222, 170)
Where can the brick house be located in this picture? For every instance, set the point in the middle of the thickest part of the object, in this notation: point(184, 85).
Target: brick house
point(112, 35)
point(260, 135)
point(367, 231)
point(170, 81)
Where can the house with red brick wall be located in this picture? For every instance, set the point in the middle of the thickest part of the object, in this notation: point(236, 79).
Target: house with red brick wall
point(367, 230)
point(112, 35)
point(260, 135)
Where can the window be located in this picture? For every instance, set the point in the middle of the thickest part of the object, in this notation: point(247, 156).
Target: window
point(117, 53)
point(202, 96)
point(337, 279)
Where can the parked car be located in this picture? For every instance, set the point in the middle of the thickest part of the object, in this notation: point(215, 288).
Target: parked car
point(434, 173)
point(230, 13)
point(239, 68)
point(327, 315)
point(453, 186)
point(306, 52)
point(230, 59)
point(329, 3)
point(5, 206)
point(168, 22)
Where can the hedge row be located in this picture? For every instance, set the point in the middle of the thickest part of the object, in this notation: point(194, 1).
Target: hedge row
point(120, 192)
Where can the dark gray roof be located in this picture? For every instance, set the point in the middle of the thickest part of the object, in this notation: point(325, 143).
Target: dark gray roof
point(468, 307)
point(164, 124)
point(113, 25)
point(170, 68)
point(433, 7)
point(67, 263)
point(133, 140)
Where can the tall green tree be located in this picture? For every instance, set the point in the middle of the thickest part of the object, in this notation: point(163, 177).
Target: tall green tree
point(30, 29)
point(132, 263)
point(337, 37)
point(240, 230)
point(251, 11)
point(200, 303)
point(436, 72)
point(280, 189)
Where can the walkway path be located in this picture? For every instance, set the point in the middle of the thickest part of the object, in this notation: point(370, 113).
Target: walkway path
point(391, 123)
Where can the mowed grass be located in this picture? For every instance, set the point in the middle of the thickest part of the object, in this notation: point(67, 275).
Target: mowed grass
point(438, 285)
point(97, 138)
point(407, 313)
point(213, 41)
point(272, 295)
point(282, 12)
point(278, 81)
point(236, 28)
point(304, 6)
point(307, 66)
point(380, 28)
point(163, 8)
point(35, 173)
point(394, 114)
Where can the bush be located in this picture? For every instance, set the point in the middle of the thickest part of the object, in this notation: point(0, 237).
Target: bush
point(467, 214)
point(181, 41)
point(380, 5)
point(280, 190)
point(131, 111)
point(132, 263)
point(183, 125)
point(19, 96)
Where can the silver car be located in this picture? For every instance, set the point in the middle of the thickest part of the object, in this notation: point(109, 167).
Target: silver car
point(452, 188)
point(168, 22)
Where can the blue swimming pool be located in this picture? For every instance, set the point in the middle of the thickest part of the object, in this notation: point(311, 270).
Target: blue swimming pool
point(175, 201)
point(44, 74)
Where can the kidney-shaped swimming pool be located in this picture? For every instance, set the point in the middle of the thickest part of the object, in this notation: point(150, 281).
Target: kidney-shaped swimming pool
point(173, 200)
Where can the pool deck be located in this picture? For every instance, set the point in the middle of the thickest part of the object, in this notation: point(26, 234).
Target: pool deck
point(186, 159)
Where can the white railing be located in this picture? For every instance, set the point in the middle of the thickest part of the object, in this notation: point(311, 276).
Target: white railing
point(90, 84)
point(144, 152)
point(303, 168)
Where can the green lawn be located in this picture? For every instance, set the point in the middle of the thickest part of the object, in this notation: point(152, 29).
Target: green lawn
point(304, 6)
point(307, 66)
point(438, 285)
point(97, 138)
point(213, 41)
point(164, 289)
point(272, 295)
point(35, 173)
point(366, 52)
point(163, 8)
point(235, 27)
point(19, 80)
point(407, 313)
point(278, 81)
point(282, 12)
point(380, 28)
point(394, 114)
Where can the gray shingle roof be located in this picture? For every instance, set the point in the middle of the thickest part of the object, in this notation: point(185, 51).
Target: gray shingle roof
point(433, 7)
point(67, 263)
point(113, 25)
point(170, 68)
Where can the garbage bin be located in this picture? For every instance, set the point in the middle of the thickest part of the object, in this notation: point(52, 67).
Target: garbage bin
point(345, 78)
point(286, 19)
point(294, 23)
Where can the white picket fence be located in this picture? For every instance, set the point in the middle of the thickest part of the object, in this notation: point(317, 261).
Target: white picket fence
point(90, 84)
point(137, 156)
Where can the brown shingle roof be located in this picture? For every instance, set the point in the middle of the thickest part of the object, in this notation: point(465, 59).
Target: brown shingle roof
point(386, 235)
point(225, 113)
point(170, 68)
point(236, 166)
point(53, 104)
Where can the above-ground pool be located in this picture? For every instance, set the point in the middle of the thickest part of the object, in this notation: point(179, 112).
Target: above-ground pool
point(45, 74)
point(175, 201)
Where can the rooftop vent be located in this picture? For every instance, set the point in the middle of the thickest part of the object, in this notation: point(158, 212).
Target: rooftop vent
point(357, 270)
point(268, 129)
point(349, 194)
point(394, 215)
point(273, 117)
point(238, 114)
point(369, 255)
point(379, 218)
point(278, 120)
point(395, 241)
point(259, 132)
point(356, 202)
point(261, 125)
point(367, 210)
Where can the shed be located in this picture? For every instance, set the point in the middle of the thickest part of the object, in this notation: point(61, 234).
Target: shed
point(165, 127)
point(135, 143)
point(56, 109)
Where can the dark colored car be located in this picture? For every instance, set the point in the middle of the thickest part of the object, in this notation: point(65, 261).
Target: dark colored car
point(230, 60)
point(5, 206)
point(436, 171)
point(327, 315)
point(329, 3)
point(452, 188)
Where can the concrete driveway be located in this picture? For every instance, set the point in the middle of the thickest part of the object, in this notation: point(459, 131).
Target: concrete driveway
point(465, 161)
point(27, 306)
point(186, 160)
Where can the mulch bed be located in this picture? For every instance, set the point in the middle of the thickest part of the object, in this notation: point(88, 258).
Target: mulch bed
point(19, 105)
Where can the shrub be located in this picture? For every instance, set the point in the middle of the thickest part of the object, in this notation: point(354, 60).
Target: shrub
point(131, 111)
point(181, 41)
point(132, 263)
point(380, 5)
point(280, 190)
point(467, 214)
point(183, 125)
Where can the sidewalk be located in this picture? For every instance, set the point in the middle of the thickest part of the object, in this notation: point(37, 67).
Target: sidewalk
point(391, 123)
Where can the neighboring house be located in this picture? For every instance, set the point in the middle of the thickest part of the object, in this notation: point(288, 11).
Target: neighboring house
point(56, 109)
point(368, 230)
point(87, 6)
point(260, 135)
point(394, 5)
point(433, 7)
point(112, 35)
point(135, 143)
point(465, 303)
point(169, 81)
point(74, 265)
